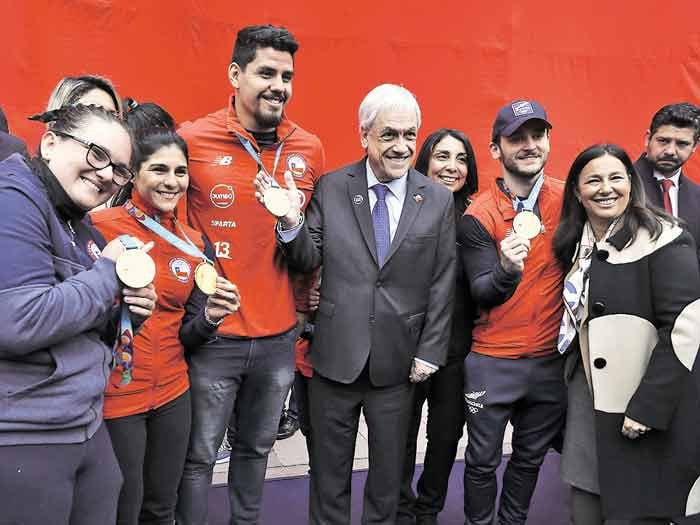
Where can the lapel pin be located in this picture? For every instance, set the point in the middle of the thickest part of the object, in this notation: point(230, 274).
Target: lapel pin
point(418, 198)
point(358, 199)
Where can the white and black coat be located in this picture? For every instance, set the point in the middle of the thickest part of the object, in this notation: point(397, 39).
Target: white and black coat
point(638, 346)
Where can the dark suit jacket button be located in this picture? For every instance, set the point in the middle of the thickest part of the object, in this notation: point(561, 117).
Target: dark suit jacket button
point(378, 284)
point(599, 307)
point(602, 255)
point(599, 362)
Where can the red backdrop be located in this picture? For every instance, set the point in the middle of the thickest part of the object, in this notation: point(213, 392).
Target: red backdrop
point(600, 68)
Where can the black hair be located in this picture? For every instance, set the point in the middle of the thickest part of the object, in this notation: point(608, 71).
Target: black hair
point(471, 185)
point(573, 215)
point(146, 116)
point(67, 119)
point(682, 115)
point(251, 38)
point(3, 122)
point(153, 128)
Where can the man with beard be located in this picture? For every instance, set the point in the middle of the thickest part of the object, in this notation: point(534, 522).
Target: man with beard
point(513, 372)
point(244, 374)
point(670, 141)
point(385, 235)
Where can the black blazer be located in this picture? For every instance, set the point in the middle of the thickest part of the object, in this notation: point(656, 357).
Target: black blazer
point(385, 315)
point(688, 196)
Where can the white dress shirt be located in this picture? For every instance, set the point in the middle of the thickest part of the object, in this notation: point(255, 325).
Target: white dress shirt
point(394, 197)
point(673, 190)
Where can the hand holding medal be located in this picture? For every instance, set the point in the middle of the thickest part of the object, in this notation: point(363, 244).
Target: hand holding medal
point(514, 250)
point(283, 203)
point(224, 301)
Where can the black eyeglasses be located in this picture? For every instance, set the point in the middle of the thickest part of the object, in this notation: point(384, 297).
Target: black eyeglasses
point(98, 158)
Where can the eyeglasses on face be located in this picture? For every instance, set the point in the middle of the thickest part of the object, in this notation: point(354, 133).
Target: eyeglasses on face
point(98, 158)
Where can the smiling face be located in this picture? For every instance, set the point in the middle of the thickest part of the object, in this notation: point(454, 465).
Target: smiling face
point(263, 88)
point(390, 143)
point(163, 178)
point(86, 186)
point(525, 152)
point(669, 148)
point(603, 189)
point(448, 163)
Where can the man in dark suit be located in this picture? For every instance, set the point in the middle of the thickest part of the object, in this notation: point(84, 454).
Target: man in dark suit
point(9, 144)
point(670, 141)
point(385, 236)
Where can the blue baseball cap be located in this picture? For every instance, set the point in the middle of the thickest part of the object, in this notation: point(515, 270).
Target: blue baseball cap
point(511, 116)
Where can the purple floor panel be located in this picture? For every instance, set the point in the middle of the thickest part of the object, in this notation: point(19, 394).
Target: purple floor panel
point(286, 500)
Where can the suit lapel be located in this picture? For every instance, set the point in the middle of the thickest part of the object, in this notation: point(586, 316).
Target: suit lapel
point(685, 205)
point(359, 202)
point(411, 206)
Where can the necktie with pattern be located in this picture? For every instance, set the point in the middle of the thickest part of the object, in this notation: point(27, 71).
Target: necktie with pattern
point(380, 220)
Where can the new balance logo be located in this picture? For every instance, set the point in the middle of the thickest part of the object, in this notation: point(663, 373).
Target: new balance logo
point(471, 398)
point(223, 160)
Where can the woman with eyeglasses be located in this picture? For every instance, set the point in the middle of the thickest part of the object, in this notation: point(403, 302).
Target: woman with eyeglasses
point(148, 417)
point(60, 295)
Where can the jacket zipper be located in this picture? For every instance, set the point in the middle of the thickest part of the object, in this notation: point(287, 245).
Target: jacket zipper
point(72, 232)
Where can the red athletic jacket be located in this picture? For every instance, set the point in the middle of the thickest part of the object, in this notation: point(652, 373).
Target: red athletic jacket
point(159, 374)
point(527, 324)
point(221, 204)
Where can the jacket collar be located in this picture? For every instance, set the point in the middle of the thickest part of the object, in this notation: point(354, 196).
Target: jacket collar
point(505, 205)
point(645, 170)
point(233, 125)
point(359, 202)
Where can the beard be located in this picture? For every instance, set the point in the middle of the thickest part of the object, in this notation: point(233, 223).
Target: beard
point(267, 120)
point(667, 168)
point(513, 168)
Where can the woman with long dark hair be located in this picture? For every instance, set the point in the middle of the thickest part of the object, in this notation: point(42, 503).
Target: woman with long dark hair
point(446, 157)
point(631, 329)
point(148, 413)
point(59, 287)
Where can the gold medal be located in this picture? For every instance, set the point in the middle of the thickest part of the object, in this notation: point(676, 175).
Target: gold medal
point(135, 268)
point(276, 201)
point(205, 277)
point(527, 224)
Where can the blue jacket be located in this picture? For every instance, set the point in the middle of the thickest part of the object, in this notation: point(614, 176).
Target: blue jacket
point(57, 300)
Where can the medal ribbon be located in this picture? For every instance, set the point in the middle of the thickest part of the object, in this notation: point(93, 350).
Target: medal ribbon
point(529, 203)
point(251, 151)
point(187, 247)
point(123, 350)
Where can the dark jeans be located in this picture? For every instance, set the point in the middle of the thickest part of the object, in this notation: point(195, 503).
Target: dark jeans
point(444, 392)
point(529, 392)
point(335, 414)
point(75, 484)
point(151, 448)
point(244, 381)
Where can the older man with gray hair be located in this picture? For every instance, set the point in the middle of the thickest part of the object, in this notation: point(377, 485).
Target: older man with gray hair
point(385, 237)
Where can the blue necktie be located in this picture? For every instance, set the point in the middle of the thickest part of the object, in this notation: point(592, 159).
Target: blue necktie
point(380, 219)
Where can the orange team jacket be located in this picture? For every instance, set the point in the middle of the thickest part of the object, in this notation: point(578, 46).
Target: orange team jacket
point(159, 374)
point(527, 324)
point(221, 204)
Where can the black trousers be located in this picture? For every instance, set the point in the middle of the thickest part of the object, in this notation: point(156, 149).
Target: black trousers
point(73, 484)
point(335, 413)
point(151, 448)
point(528, 392)
point(444, 393)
